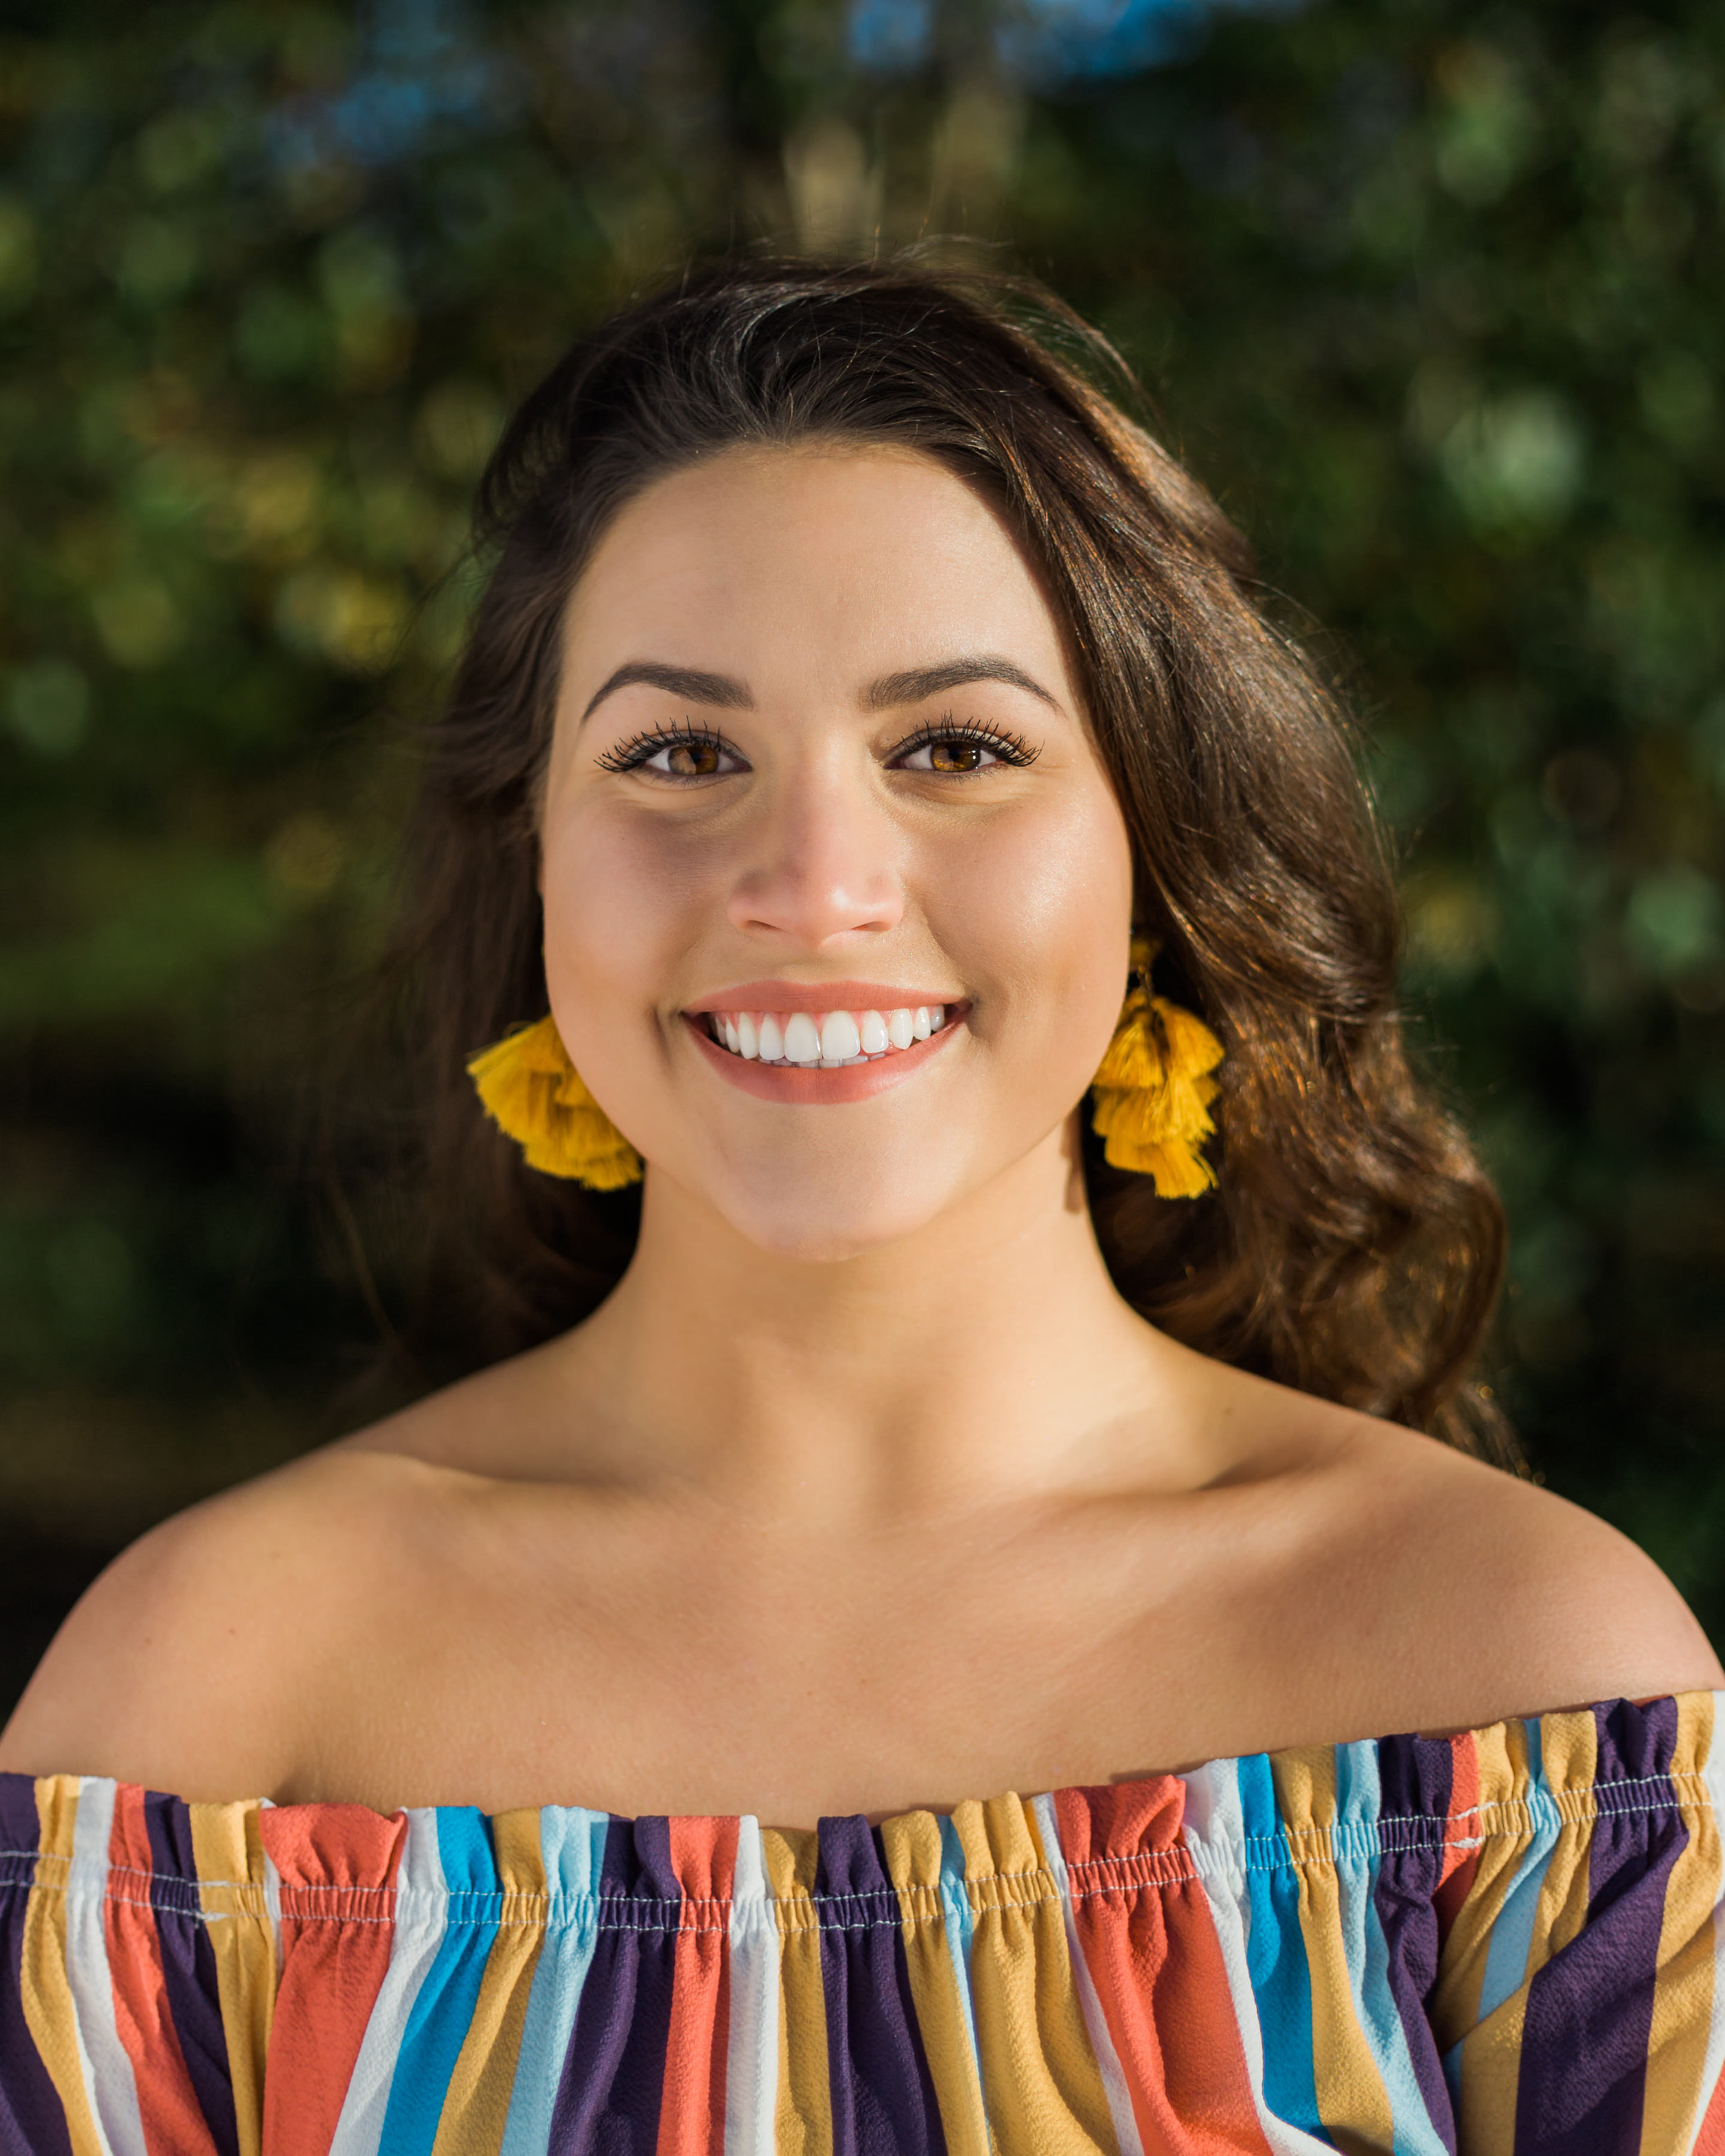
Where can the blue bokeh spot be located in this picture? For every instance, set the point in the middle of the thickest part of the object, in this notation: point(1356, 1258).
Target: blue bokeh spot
point(889, 33)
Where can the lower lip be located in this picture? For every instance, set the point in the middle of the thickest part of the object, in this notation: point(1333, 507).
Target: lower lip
point(800, 1085)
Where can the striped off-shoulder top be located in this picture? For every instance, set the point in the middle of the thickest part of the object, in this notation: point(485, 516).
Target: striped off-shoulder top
point(1495, 1943)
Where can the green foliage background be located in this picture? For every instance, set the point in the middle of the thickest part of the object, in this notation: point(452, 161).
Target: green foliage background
point(1429, 293)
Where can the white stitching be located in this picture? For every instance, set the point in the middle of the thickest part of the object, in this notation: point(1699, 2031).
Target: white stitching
point(1176, 1865)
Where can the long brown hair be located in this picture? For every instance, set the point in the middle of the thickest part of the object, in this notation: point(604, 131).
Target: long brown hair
point(1354, 1247)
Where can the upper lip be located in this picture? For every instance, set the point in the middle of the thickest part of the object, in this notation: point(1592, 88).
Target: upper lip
point(816, 996)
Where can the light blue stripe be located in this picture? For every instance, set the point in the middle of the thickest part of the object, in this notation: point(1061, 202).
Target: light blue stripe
point(1359, 1797)
point(1451, 2064)
point(1512, 1939)
point(443, 2009)
point(1276, 1957)
point(960, 1924)
point(572, 1846)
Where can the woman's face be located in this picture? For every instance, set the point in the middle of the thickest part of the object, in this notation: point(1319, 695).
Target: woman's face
point(819, 766)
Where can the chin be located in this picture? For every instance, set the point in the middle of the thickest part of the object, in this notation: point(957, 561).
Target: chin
point(811, 1225)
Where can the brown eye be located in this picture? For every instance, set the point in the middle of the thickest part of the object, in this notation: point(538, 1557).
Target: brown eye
point(957, 751)
point(692, 760)
point(680, 756)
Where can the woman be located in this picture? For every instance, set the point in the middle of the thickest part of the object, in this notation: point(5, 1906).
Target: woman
point(1033, 1357)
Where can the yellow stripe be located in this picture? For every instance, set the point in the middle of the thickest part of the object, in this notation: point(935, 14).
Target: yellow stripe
point(475, 2110)
point(912, 1845)
point(1353, 2102)
point(1569, 1745)
point(804, 2124)
point(1041, 2084)
point(1491, 2050)
point(1683, 1987)
point(1491, 2061)
point(227, 1852)
point(50, 2014)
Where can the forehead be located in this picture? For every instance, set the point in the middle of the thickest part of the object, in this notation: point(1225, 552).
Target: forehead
point(868, 555)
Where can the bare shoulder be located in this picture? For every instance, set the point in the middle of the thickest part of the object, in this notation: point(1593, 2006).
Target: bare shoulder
point(1488, 1596)
point(194, 1660)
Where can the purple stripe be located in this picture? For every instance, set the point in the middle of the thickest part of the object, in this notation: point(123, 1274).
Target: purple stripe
point(188, 1967)
point(32, 2121)
point(1415, 1775)
point(612, 2082)
point(883, 2094)
point(1590, 2009)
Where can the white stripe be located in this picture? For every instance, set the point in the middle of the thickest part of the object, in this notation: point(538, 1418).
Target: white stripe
point(86, 2071)
point(108, 2078)
point(1096, 2021)
point(272, 1895)
point(1713, 1775)
point(1214, 1832)
point(751, 2052)
point(421, 1913)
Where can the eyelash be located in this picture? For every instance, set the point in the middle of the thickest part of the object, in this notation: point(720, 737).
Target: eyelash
point(630, 755)
point(1009, 747)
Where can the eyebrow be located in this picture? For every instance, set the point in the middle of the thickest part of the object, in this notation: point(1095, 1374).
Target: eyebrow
point(725, 692)
point(917, 682)
point(688, 682)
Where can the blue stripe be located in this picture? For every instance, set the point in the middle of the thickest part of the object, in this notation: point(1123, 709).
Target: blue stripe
point(1275, 1959)
point(444, 2009)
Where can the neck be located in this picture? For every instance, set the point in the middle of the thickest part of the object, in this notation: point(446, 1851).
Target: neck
point(986, 1356)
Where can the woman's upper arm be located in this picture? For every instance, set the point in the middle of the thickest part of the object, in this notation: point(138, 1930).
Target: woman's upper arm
point(177, 1668)
point(1545, 1604)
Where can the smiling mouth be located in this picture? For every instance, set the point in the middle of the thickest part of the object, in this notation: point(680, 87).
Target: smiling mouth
point(823, 1040)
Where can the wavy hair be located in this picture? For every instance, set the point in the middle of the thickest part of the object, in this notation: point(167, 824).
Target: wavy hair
point(1354, 1247)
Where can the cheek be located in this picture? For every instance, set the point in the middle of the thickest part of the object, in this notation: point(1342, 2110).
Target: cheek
point(615, 895)
point(1040, 908)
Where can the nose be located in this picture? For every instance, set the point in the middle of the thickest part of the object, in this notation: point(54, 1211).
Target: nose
point(820, 865)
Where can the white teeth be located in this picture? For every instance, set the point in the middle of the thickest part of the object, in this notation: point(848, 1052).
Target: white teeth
point(802, 1043)
point(831, 1040)
point(839, 1038)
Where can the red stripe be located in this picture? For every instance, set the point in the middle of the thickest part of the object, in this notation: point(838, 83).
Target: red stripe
point(173, 2120)
point(1150, 1945)
point(1710, 2141)
point(337, 1863)
point(1455, 1880)
point(691, 2114)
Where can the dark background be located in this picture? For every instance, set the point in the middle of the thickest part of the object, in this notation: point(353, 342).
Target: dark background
point(1428, 293)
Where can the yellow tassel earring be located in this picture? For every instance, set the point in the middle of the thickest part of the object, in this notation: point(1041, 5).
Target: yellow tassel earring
point(535, 1095)
point(1154, 1089)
